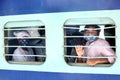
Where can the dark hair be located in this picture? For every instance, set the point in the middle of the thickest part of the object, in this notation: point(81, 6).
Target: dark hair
point(97, 28)
point(78, 40)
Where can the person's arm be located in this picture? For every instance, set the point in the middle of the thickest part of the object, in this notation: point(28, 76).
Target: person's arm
point(105, 52)
point(94, 61)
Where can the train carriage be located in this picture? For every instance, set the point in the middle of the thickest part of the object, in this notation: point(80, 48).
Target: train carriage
point(57, 24)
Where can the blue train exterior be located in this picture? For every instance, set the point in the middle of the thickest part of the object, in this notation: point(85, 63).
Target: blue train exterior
point(53, 70)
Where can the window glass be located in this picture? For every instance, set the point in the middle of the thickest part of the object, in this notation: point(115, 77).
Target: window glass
point(89, 42)
point(25, 43)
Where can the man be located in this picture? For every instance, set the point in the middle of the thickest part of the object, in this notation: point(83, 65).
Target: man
point(22, 53)
point(95, 47)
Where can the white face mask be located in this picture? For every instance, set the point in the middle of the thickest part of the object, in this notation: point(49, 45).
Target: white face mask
point(91, 37)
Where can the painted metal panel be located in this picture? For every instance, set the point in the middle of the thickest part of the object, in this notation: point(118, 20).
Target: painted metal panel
point(13, 7)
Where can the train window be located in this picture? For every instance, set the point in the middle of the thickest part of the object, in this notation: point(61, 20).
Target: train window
point(25, 42)
point(89, 42)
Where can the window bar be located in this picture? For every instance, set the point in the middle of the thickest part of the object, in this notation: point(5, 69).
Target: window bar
point(109, 27)
point(87, 36)
point(26, 46)
point(93, 46)
point(25, 37)
point(87, 28)
point(89, 56)
point(71, 28)
point(26, 29)
point(25, 55)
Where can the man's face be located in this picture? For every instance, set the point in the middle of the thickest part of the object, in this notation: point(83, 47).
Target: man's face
point(23, 41)
point(91, 35)
point(91, 31)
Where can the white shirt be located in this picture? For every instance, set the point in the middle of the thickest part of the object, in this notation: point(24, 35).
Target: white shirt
point(19, 53)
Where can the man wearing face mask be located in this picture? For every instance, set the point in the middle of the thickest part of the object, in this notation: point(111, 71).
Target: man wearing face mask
point(95, 47)
point(22, 53)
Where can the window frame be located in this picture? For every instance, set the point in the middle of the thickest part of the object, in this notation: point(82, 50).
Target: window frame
point(87, 21)
point(24, 25)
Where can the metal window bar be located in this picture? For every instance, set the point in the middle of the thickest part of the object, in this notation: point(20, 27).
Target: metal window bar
point(25, 29)
point(87, 36)
point(25, 37)
point(109, 27)
point(71, 28)
point(87, 28)
point(92, 46)
point(27, 46)
point(89, 56)
point(25, 62)
point(25, 55)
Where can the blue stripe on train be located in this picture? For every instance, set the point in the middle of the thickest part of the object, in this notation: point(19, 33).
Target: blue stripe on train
point(13, 7)
point(31, 75)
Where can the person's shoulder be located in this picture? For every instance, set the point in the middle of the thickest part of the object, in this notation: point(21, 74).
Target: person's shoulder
point(17, 51)
point(102, 41)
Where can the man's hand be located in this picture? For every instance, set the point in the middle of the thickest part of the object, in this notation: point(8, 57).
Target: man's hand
point(91, 62)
